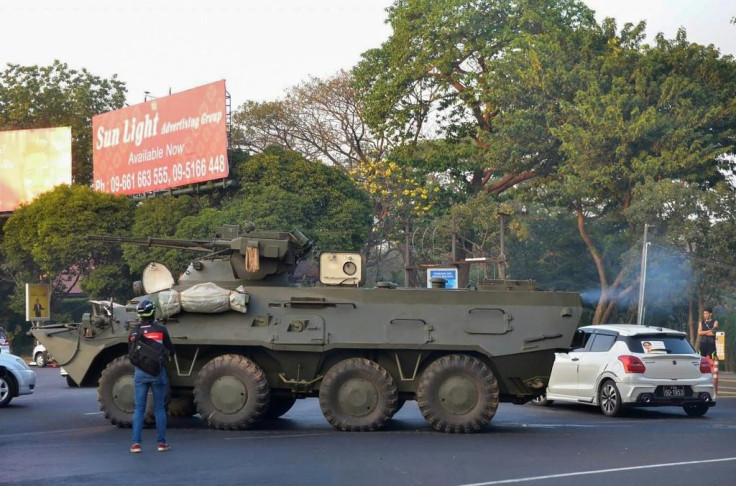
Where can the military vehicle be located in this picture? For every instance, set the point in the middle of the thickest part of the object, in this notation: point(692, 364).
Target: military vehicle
point(248, 345)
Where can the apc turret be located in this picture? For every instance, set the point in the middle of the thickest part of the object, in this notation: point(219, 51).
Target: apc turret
point(249, 345)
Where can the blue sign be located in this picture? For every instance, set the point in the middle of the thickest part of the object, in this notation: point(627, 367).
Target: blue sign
point(449, 274)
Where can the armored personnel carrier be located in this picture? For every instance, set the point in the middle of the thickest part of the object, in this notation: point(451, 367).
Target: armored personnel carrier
point(248, 345)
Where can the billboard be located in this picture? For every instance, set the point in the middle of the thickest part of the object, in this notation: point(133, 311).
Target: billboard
point(166, 142)
point(38, 301)
point(33, 162)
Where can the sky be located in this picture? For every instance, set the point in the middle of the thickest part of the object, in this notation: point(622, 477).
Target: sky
point(260, 47)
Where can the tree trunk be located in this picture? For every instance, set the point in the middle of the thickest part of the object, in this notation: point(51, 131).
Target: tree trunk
point(604, 299)
point(691, 321)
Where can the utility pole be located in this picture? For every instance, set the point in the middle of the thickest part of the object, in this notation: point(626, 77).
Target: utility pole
point(407, 253)
point(642, 277)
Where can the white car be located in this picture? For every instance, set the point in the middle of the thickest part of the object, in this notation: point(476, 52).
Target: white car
point(16, 378)
point(615, 366)
point(40, 356)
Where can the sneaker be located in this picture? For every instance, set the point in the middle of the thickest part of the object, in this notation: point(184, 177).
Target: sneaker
point(135, 448)
point(163, 446)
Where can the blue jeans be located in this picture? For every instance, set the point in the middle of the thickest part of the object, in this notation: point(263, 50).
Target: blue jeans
point(143, 381)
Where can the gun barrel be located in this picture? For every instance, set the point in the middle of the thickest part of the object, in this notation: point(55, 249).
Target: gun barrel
point(196, 245)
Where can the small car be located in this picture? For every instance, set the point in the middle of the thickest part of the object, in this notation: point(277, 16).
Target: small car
point(40, 356)
point(16, 378)
point(617, 366)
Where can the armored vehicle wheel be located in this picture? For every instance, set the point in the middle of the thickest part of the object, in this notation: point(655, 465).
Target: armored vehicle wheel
point(116, 394)
point(278, 406)
point(231, 392)
point(181, 404)
point(41, 360)
point(458, 393)
point(358, 395)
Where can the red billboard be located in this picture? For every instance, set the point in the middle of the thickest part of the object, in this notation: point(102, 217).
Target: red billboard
point(166, 142)
point(33, 162)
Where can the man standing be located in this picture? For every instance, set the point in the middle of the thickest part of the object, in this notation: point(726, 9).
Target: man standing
point(37, 308)
point(707, 332)
point(152, 329)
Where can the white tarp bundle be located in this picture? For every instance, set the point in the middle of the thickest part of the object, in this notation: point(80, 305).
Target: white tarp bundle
point(207, 298)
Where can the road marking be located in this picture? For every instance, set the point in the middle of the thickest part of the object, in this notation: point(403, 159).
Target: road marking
point(274, 436)
point(94, 413)
point(601, 471)
point(56, 432)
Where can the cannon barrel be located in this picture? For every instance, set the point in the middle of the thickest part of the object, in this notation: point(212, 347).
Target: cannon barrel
point(196, 245)
point(277, 245)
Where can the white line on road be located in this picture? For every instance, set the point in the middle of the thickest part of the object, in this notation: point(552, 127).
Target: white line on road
point(601, 471)
point(94, 413)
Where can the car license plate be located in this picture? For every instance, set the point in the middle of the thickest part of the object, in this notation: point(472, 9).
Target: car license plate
point(674, 391)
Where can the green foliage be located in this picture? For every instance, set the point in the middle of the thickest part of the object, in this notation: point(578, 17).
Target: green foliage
point(280, 189)
point(467, 61)
point(551, 253)
point(46, 240)
point(54, 96)
point(160, 217)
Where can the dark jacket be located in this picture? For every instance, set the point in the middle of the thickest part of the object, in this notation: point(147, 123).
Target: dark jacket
point(152, 330)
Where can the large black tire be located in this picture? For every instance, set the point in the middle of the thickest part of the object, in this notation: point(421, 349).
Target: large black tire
point(358, 395)
point(458, 394)
point(278, 406)
point(231, 392)
point(609, 399)
point(116, 394)
point(181, 404)
point(41, 360)
point(7, 388)
point(695, 409)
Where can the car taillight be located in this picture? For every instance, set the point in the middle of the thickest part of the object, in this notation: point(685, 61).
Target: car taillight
point(632, 364)
point(705, 366)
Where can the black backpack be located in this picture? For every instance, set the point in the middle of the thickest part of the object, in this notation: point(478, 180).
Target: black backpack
point(147, 354)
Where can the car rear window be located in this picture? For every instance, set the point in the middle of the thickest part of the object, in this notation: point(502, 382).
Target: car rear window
point(660, 343)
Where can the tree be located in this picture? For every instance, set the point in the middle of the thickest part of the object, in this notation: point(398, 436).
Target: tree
point(52, 96)
point(280, 187)
point(694, 235)
point(453, 56)
point(321, 119)
point(160, 217)
point(46, 241)
point(665, 112)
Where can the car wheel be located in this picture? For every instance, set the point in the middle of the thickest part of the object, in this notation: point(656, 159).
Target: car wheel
point(695, 409)
point(6, 389)
point(609, 399)
point(40, 360)
point(541, 401)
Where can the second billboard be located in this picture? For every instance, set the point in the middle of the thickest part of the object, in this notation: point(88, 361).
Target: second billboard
point(167, 142)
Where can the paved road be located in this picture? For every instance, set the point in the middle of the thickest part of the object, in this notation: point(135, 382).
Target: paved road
point(58, 436)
